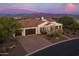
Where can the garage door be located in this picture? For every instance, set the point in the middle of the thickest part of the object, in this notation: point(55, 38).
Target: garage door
point(18, 33)
point(30, 31)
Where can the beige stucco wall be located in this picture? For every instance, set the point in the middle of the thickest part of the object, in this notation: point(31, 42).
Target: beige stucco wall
point(47, 26)
point(39, 26)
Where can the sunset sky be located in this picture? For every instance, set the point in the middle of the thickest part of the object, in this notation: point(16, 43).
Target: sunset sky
point(54, 8)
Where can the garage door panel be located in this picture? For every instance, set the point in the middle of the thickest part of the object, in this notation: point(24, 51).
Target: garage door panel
point(30, 31)
point(18, 33)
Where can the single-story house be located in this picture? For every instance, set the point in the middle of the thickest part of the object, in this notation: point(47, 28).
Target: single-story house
point(33, 26)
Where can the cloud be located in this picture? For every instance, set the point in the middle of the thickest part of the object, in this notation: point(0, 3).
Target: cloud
point(70, 7)
point(14, 8)
point(20, 8)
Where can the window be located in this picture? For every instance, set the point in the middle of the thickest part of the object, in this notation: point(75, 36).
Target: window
point(43, 30)
point(56, 27)
point(51, 28)
point(59, 27)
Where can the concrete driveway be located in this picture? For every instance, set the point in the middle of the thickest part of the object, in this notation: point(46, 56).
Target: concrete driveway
point(33, 42)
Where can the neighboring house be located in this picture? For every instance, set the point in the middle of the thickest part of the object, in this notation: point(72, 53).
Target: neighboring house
point(33, 26)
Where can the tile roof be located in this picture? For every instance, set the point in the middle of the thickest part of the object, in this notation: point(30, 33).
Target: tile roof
point(30, 22)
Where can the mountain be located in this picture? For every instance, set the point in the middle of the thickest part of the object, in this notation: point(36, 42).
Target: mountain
point(38, 15)
point(20, 11)
point(16, 12)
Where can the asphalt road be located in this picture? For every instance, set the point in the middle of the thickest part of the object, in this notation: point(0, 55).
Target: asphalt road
point(70, 48)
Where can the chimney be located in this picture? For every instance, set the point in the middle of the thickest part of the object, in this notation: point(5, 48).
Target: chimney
point(43, 19)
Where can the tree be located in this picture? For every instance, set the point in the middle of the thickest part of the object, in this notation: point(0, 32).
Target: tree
point(74, 26)
point(8, 27)
point(66, 21)
point(69, 23)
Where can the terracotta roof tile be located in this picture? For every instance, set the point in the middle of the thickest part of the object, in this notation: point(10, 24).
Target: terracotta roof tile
point(30, 22)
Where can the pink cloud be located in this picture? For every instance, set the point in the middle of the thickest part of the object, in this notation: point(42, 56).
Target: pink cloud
point(70, 7)
point(20, 8)
point(15, 8)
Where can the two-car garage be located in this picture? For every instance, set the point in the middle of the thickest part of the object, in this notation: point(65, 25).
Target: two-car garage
point(27, 32)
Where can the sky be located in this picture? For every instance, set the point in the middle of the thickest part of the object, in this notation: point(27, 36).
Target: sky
point(53, 8)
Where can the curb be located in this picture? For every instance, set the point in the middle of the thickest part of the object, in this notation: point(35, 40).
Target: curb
point(49, 46)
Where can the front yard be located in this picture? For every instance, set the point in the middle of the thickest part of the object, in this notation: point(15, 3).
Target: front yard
point(7, 47)
point(30, 43)
point(71, 33)
point(55, 39)
point(13, 48)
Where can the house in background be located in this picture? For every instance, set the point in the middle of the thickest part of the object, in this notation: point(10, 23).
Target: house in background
point(34, 26)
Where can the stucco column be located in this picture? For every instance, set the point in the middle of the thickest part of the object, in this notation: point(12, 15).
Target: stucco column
point(58, 27)
point(23, 32)
point(38, 30)
point(61, 27)
point(14, 35)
